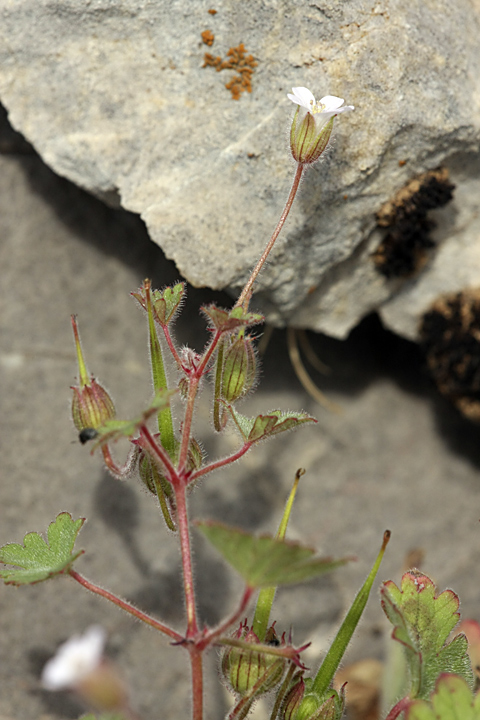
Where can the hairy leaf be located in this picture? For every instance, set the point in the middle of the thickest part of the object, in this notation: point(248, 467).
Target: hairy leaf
point(451, 700)
point(264, 560)
point(37, 560)
point(423, 622)
point(227, 320)
point(264, 426)
point(166, 303)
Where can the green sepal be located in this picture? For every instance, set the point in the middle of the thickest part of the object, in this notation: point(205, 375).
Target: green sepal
point(113, 430)
point(219, 410)
point(166, 303)
point(264, 426)
point(165, 423)
point(337, 649)
point(452, 699)
point(227, 320)
point(264, 561)
point(329, 705)
point(266, 595)
point(37, 560)
point(422, 623)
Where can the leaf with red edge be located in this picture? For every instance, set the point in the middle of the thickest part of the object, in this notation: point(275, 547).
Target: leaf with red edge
point(451, 700)
point(227, 320)
point(268, 425)
point(422, 623)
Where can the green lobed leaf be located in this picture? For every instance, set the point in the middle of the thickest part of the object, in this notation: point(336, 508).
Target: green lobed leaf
point(422, 623)
point(264, 560)
point(37, 560)
point(451, 700)
point(265, 426)
point(227, 320)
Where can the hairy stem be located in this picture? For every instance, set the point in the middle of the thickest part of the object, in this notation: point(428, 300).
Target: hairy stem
point(126, 606)
point(171, 345)
point(398, 708)
point(156, 451)
point(220, 463)
point(196, 661)
point(224, 626)
point(247, 290)
point(186, 550)
point(187, 423)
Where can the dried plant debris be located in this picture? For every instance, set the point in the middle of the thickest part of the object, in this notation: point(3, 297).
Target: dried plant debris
point(403, 250)
point(237, 60)
point(450, 337)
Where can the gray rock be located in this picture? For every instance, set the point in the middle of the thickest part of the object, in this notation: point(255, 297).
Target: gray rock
point(115, 97)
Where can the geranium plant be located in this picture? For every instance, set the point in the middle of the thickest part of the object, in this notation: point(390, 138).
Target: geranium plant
point(258, 656)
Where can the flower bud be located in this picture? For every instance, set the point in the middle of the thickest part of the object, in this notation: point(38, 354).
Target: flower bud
point(303, 703)
point(312, 124)
point(92, 406)
point(244, 668)
point(292, 700)
point(239, 369)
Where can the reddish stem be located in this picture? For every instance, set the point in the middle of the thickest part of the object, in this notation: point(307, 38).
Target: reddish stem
point(126, 606)
point(171, 345)
point(220, 463)
point(120, 471)
point(213, 634)
point(196, 661)
point(193, 383)
point(247, 290)
point(184, 536)
point(398, 708)
point(148, 442)
point(209, 352)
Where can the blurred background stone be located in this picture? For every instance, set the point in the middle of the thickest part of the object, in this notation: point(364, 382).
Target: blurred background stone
point(117, 98)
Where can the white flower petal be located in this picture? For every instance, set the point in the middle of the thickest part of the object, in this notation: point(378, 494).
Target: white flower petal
point(331, 102)
point(302, 96)
point(74, 660)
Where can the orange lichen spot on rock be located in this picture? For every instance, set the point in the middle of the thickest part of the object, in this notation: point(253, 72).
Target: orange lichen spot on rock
point(211, 60)
point(212, 11)
point(208, 37)
point(239, 61)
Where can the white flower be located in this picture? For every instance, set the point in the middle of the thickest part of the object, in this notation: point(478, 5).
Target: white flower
point(75, 660)
point(312, 124)
point(327, 107)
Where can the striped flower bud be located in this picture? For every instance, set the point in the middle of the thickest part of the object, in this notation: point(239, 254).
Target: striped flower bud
point(92, 406)
point(239, 368)
point(243, 669)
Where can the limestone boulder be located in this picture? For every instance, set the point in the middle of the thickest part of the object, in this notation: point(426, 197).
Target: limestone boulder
point(121, 99)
